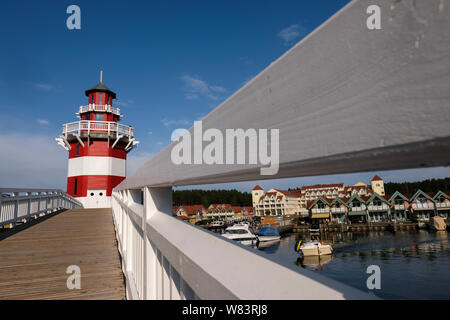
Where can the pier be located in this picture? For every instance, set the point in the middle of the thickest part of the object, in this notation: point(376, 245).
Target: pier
point(34, 261)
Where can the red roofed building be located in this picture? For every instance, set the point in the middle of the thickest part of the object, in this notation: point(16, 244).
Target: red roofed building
point(295, 202)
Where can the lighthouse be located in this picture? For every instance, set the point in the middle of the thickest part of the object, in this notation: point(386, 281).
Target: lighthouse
point(98, 145)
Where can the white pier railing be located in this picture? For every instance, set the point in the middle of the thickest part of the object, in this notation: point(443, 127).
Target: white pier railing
point(345, 99)
point(18, 205)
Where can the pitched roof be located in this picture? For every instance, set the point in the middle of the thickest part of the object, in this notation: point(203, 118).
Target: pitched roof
point(257, 187)
point(376, 178)
point(192, 210)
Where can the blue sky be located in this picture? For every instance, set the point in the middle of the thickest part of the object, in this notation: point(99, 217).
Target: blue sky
point(170, 63)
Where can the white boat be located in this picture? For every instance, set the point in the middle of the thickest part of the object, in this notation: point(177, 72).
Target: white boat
point(241, 233)
point(217, 224)
point(313, 248)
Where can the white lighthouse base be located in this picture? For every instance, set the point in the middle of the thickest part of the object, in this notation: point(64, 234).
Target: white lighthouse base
point(95, 201)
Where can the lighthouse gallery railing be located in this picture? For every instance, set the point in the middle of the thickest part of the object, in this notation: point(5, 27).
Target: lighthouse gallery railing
point(346, 99)
point(90, 126)
point(17, 205)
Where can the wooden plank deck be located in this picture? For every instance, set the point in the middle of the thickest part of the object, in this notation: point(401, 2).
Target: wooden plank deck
point(34, 261)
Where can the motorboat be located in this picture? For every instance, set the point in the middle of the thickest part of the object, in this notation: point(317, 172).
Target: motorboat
point(313, 248)
point(241, 233)
point(314, 228)
point(314, 262)
point(217, 224)
point(268, 234)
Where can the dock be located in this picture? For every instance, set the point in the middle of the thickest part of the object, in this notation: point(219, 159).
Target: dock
point(361, 227)
point(34, 261)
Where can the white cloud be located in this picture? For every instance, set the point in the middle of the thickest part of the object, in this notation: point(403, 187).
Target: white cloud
point(172, 122)
point(44, 86)
point(32, 161)
point(195, 87)
point(42, 121)
point(290, 33)
point(135, 160)
point(150, 132)
point(121, 103)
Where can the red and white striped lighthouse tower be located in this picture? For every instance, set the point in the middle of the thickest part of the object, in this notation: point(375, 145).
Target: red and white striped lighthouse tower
point(98, 147)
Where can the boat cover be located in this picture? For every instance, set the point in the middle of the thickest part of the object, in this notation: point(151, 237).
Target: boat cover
point(268, 231)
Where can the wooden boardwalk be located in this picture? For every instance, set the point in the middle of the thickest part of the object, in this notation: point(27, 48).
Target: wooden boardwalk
point(33, 262)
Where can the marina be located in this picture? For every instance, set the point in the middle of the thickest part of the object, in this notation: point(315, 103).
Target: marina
point(414, 263)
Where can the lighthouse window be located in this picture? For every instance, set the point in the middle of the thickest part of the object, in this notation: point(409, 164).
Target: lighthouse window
point(92, 194)
point(78, 149)
point(100, 117)
point(75, 187)
point(100, 96)
point(101, 193)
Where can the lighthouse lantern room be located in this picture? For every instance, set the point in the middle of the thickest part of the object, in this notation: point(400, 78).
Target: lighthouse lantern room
point(98, 145)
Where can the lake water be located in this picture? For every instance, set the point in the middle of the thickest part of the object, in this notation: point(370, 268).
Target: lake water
point(414, 264)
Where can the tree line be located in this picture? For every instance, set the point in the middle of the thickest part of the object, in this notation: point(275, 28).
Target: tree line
point(207, 197)
point(429, 185)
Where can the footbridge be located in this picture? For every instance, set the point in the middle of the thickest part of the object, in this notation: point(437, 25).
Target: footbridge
point(344, 99)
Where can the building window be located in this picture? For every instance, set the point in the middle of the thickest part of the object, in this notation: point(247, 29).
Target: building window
point(75, 187)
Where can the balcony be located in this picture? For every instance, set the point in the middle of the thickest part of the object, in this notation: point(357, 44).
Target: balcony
point(320, 210)
point(442, 205)
point(423, 206)
point(99, 108)
point(338, 210)
point(399, 207)
point(383, 207)
point(88, 127)
point(358, 209)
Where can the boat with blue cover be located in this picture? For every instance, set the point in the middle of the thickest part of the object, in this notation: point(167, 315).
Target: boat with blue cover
point(268, 234)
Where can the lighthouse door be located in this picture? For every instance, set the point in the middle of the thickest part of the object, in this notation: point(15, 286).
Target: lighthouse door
point(96, 198)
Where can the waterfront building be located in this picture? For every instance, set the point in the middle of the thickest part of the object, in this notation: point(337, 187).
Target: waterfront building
point(191, 213)
point(377, 185)
point(399, 204)
point(357, 209)
point(296, 202)
point(217, 211)
point(276, 202)
point(378, 209)
point(338, 210)
point(422, 206)
point(442, 202)
point(320, 210)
